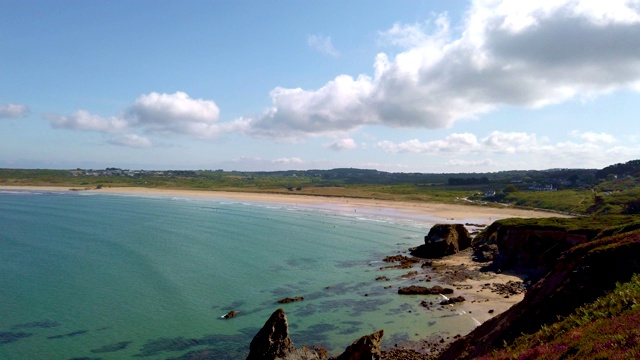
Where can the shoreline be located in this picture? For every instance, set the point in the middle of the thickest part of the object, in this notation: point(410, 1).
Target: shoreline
point(424, 211)
point(481, 302)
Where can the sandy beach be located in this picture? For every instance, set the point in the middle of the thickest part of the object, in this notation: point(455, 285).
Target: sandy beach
point(412, 210)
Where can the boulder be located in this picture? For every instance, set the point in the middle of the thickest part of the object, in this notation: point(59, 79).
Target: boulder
point(366, 348)
point(443, 240)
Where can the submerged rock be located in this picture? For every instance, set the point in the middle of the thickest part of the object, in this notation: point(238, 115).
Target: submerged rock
point(289, 300)
point(230, 314)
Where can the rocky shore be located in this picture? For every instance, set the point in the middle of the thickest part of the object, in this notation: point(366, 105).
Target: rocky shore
point(469, 287)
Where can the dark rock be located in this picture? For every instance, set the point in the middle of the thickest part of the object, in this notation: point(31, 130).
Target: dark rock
point(453, 300)
point(423, 290)
point(443, 240)
point(272, 341)
point(366, 348)
point(290, 300)
point(404, 262)
point(231, 314)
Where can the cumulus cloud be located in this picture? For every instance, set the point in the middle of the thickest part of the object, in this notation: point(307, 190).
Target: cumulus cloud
point(175, 114)
point(515, 53)
point(13, 110)
point(156, 114)
point(342, 144)
point(322, 44)
point(83, 120)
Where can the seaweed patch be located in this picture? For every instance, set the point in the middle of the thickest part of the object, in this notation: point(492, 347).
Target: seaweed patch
point(67, 335)
point(112, 347)
point(9, 337)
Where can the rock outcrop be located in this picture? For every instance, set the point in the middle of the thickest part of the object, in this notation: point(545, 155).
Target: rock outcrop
point(366, 348)
point(272, 342)
point(579, 276)
point(531, 250)
point(443, 240)
point(423, 290)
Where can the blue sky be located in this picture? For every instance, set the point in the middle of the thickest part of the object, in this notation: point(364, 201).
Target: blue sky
point(425, 86)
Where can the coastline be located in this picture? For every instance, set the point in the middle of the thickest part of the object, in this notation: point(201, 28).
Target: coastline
point(434, 211)
point(481, 303)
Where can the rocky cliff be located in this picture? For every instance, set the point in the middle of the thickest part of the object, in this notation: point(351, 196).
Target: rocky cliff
point(575, 268)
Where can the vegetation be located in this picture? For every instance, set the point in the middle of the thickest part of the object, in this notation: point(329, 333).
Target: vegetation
point(612, 190)
point(608, 328)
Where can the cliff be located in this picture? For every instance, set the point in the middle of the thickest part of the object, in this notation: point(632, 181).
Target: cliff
point(575, 266)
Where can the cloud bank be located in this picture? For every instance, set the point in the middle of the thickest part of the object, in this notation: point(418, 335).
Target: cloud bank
point(507, 53)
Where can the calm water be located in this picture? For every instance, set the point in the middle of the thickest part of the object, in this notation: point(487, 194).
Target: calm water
point(118, 277)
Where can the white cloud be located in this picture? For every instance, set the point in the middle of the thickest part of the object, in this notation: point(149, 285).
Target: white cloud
point(454, 144)
point(342, 144)
point(83, 120)
point(13, 110)
point(594, 149)
point(465, 163)
point(291, 160)
point(131, 140)
point(516, 53)
point(157, 114)
point(170, 114)
point(322, 44)
point(594, 137)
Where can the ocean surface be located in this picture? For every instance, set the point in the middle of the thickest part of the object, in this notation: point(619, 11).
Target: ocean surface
point(85, 275)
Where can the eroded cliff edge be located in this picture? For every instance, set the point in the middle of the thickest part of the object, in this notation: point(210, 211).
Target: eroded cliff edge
point(570, 262)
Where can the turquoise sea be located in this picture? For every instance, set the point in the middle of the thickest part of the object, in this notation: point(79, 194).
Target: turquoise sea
point(85, 275)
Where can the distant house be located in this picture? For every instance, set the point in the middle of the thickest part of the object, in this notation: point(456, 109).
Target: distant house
point(540, 187)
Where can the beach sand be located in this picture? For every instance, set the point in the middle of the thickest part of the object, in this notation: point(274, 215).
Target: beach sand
point(449, 212)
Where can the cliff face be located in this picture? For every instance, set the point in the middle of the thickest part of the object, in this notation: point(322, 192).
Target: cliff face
point(578, 275)
point(532, 250)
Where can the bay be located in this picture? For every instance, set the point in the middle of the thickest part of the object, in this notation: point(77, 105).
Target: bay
point(116, 277)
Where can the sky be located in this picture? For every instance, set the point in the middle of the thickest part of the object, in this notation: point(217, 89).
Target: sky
point(403, 86)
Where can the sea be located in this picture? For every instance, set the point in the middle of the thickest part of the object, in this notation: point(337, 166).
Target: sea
point(85, 275)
